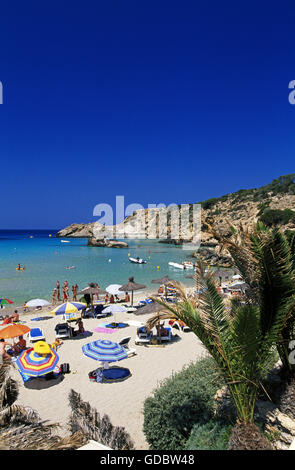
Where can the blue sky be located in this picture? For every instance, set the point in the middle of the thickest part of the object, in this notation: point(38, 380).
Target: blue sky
point(162, 102)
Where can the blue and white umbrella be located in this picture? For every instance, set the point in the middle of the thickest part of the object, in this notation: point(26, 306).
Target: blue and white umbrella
point(114, 308)
point(68, 307)
point(105, 351)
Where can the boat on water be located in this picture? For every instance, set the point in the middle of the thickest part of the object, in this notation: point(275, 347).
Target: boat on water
point(65, 241)
point(184, 265)
point(137, 260)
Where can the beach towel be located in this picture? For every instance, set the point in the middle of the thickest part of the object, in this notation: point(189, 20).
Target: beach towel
point(40, 318)
point(105, 330)
point(115, 374)
point(118, 325)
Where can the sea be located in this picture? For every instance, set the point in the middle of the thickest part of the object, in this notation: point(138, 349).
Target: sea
point(47, 257)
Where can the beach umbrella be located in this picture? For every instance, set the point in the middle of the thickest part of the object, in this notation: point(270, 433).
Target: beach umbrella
point(13, 331)
point(153, 307)
point(68, 307)
point(114, 289)
point(131, 286)
point(238, 286)
point(114, 308)
point(37, 303)
point(5, 301)
point(163, 281)
point(34, 364)
point(91, 290)
point(105, 351)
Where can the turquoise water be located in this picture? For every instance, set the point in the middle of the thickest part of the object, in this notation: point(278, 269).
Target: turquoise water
point(46, 259)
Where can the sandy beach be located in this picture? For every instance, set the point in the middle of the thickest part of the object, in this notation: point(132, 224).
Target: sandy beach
point(122, 401)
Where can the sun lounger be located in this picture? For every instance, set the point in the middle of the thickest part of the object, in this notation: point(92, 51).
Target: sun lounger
point(179, 325)
point(36, 334)
point(145, 302)
point(143, 336)
point(62, 330)
point(165, 337)
point(125, 344)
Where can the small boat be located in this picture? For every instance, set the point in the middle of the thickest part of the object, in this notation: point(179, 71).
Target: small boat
point(188, 265)
point(65, 241)
point(137, 260)
point(184, 265)
point(176, 265)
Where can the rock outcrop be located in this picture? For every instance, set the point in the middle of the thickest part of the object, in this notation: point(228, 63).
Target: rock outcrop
point(106, 243)
point(76, 231)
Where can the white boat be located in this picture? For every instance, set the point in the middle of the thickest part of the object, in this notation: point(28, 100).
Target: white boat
point(65, 241)
point(137, 260)
point(184, 265)
point(176, 265)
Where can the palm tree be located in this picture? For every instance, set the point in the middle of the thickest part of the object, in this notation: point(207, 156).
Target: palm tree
point(266, 260)
point(236, 341)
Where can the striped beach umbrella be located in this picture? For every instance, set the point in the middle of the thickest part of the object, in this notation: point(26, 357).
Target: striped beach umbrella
point(33, 364)
point(68, 307)
point(105, 351)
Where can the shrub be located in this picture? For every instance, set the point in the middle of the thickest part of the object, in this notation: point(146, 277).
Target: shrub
point(272, 217)
point(213, 435)
point(179, 403)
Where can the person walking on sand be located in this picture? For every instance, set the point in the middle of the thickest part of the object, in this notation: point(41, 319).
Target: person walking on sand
point(57, 290)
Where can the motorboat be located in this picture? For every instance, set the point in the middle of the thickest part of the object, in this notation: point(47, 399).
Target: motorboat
point(137, 260)
point(184, 265)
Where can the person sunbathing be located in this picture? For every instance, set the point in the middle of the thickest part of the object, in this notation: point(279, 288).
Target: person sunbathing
point(56, 344)
point(14, 317)
point(81, 329)
point(6, 320)
point(20, 345)
point(4, 355)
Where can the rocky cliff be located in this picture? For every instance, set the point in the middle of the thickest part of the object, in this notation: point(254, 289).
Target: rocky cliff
point(273, 204)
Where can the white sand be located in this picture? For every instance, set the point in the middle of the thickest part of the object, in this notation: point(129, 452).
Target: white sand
point(122, 401)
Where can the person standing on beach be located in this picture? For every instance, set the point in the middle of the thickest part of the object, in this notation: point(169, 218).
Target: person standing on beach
point(74, 289)
point(64, 294)
point(58, 290)
point(54, 292)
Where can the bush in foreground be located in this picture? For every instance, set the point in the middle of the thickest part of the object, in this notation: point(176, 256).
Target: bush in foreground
point(183, 400)
point(213, 435)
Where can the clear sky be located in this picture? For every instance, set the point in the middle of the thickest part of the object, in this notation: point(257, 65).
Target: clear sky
point(159, 101)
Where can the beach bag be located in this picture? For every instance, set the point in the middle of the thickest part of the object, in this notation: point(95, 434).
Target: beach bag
point(65, 368)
